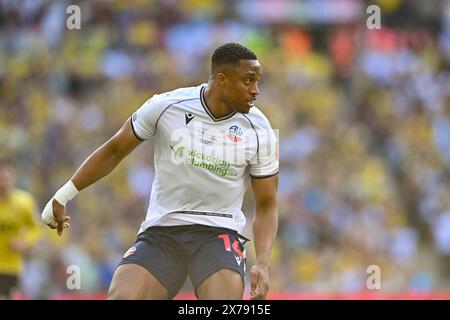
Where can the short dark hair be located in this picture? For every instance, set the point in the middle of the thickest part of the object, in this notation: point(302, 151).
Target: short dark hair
point(230, 54)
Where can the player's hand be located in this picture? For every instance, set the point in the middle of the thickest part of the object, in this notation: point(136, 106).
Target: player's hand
point(59, 221)
point(259, 277)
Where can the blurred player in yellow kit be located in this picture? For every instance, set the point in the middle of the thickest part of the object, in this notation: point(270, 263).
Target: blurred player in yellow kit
point(18, 228)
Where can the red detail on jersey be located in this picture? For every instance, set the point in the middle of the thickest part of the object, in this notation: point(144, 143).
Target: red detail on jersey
point(277, 152)
point(234, 139)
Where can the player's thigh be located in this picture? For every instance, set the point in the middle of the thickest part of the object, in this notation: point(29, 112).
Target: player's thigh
point(158, 258)
point(217, 270)
point(225, 284)
point(134, 282)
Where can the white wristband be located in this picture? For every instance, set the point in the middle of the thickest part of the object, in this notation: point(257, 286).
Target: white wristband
point(66, 192)
point(47, 214)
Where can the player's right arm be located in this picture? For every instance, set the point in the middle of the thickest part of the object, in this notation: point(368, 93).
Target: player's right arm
point(103, 160)
point(98, 165)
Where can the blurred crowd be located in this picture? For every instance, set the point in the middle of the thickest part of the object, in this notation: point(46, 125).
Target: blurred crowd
point(363, 118)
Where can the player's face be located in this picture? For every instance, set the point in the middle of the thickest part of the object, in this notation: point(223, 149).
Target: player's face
point(6, 177)
point(242, 88)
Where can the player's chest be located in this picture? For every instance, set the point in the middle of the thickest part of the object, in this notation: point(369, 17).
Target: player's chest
point(232, 140)
point(10, 217)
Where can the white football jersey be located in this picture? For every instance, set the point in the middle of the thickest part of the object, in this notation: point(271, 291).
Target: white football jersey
point(203, 164)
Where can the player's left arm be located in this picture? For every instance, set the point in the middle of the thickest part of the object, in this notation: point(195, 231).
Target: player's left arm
point(265, 226)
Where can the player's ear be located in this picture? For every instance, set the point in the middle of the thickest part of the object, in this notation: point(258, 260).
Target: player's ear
point(221, 79)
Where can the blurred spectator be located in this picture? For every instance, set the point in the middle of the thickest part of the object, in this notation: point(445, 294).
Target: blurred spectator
point(19, 229)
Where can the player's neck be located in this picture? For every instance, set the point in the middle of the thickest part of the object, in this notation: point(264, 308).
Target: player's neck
point(215, 104)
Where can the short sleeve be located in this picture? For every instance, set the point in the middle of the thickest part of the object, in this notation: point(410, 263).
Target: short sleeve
point(145, 119)
point(265, 163)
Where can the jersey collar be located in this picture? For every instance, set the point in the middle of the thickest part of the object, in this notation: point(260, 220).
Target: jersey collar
point(208, 111)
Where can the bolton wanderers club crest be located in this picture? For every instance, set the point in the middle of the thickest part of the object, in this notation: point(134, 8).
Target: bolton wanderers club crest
point(234, 133)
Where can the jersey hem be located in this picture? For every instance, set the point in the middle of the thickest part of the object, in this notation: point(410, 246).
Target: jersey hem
point(134, 131)
point(265, 176)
